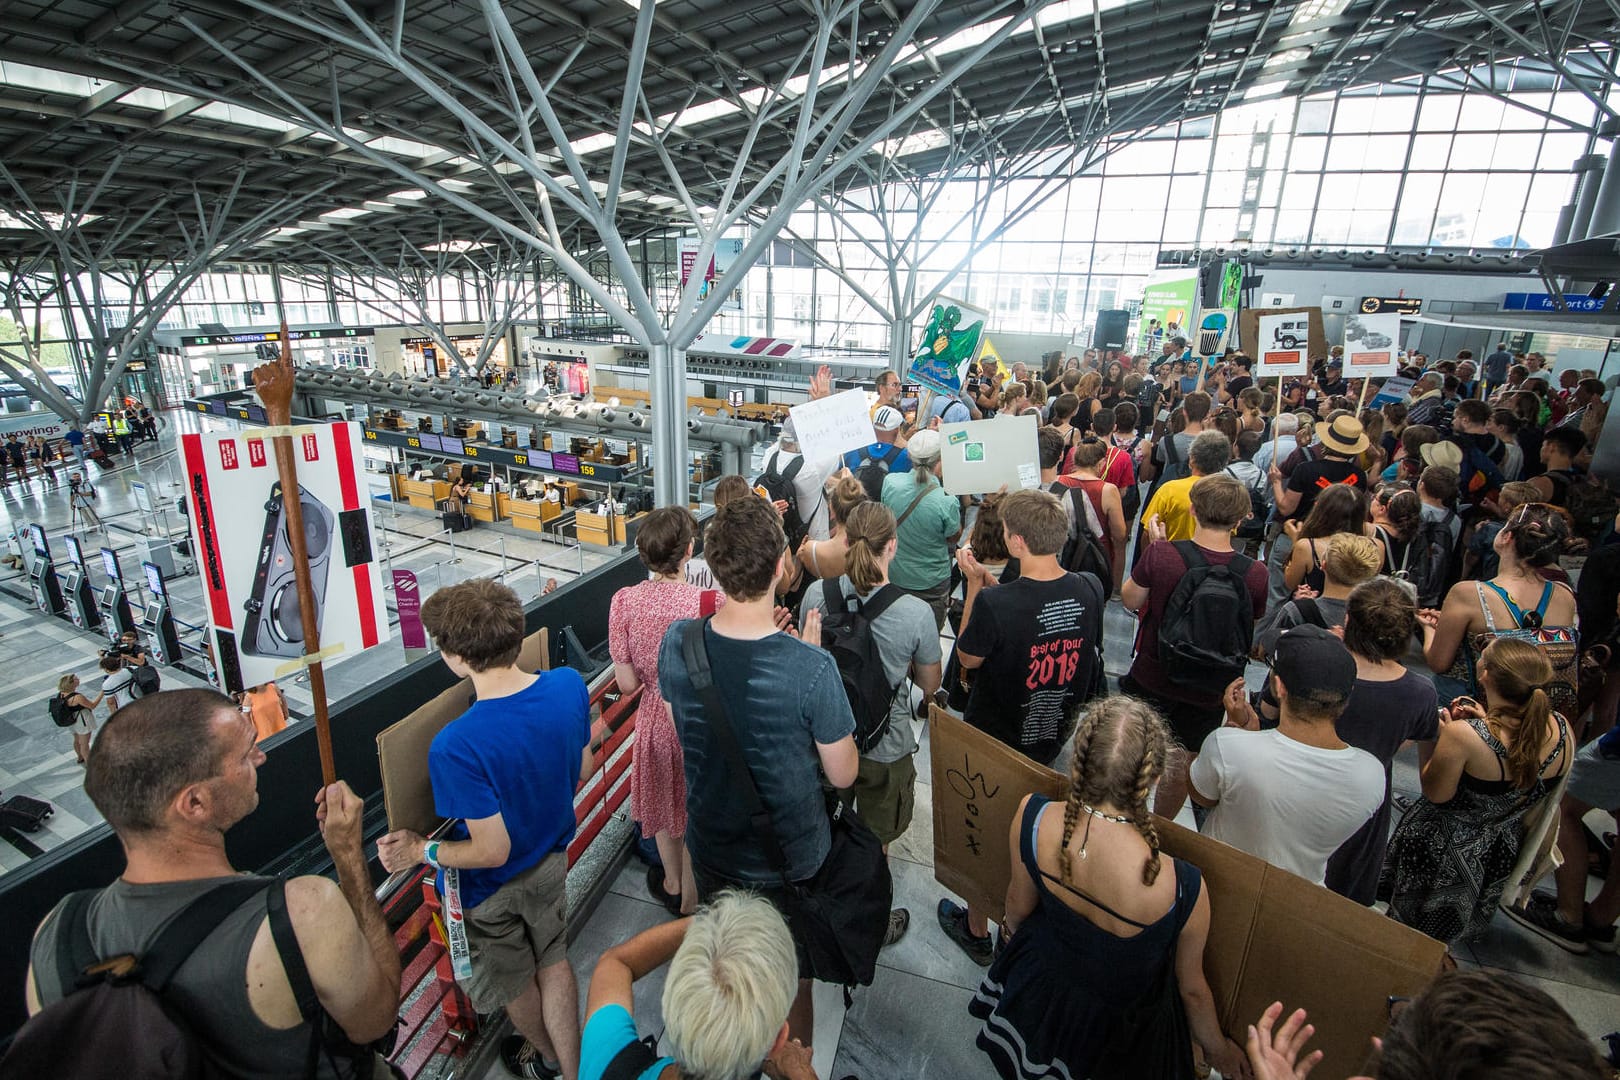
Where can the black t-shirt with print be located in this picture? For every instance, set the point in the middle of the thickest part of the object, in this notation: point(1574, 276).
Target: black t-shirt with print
point(1311, 478)
point(1039, 641)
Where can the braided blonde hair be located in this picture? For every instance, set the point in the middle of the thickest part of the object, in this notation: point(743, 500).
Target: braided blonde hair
point(1119, 752)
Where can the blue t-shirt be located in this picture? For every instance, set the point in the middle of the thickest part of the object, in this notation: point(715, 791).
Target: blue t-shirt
point(517, 756)
point(782, 697)
point(897, 459)
point(75, 437)
point(607, 1031)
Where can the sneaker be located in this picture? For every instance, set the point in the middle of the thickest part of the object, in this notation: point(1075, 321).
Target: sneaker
point(1603, 940)
point(953, 920)
point(1540, 916)
point(899, 923)
point(523, 1060)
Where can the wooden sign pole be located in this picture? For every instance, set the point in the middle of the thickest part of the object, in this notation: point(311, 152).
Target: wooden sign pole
point(274, 383)
point(1366, 381)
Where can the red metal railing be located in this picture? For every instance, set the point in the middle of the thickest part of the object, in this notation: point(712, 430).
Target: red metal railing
point(440, 1019)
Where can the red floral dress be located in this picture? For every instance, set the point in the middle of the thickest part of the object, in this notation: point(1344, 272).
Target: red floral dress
point(637, 620)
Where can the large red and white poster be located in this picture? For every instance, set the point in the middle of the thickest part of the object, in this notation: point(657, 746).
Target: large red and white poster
point(239, 529)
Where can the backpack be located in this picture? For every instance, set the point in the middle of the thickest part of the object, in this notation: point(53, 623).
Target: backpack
point(1083, 552)
point(1431, 559)
point(1254, 528)
point(1311, 612)
point(1208, 624)
point(1130, 496)
point(778, 487)
point(147, 679)
point(60, 713)
point(872, 471)
point(846, 632)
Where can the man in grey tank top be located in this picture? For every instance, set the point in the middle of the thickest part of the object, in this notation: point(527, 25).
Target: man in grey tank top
point(171, 773)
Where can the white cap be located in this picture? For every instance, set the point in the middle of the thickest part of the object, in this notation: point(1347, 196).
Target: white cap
point(887, 418)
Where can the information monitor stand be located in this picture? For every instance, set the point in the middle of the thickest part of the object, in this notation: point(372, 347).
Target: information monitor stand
point(117, 618)
point(81, 601)
point(157, 622)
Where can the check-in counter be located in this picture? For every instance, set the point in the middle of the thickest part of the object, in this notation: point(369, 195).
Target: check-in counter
point(526, 514)
point(425, 494)
point(593, 528)
point(396, 485)
point(488, 508)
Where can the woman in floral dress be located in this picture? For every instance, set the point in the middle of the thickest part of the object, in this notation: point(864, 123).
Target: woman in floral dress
point(636, 623)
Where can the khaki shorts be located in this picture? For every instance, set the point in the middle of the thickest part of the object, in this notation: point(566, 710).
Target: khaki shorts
point(886, 796)
point(522, 928)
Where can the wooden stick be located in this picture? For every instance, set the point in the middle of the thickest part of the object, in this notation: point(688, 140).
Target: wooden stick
point(1203, 368)
point(1366, 381)
point(274, 383)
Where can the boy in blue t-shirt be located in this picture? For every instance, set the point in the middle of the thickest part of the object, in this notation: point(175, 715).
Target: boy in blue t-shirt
point(506, 771)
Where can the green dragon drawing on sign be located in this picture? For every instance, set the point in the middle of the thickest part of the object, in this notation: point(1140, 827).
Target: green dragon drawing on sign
point(945, 352)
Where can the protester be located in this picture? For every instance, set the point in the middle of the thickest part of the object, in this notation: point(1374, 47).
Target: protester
point(1169, 513)
point(505, 771)
point(1453, 852)
point(927, 523)
point(1348, 560)
point(1192, 709)
point(797, 487)
point(725, 1001)
point(902, 627)
point(825, 559)
point(870, 464)
point(1098, 938)
point(637, 619)
point(787, 708)
point(1340, 511)
point(1035, 646)
point(172, 773)
point(1090, 458)
point(1394, 511)
point(1291, 795)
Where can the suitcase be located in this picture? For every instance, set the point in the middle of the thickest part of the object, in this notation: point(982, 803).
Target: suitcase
point(21, 812)
point(457, 521)
point(101, 459)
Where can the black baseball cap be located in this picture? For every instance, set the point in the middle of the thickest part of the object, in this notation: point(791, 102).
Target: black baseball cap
point(1314, 666)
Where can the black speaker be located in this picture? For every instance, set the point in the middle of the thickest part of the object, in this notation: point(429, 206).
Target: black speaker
point(1112, 323)
point(1210, 277)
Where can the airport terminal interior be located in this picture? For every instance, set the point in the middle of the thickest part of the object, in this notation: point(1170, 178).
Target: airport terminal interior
point(541, 270)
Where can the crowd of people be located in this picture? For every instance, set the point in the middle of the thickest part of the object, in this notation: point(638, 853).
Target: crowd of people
point(1440, 572)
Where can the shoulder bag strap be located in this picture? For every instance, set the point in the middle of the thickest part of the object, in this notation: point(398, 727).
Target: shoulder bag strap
point(631, 1061)
point(292, 962)
point(74, 950)
point(695, 651)
point(191, 927)
point(879, 602)
point(901, 520)
point(792, 471)
point(1190, 554)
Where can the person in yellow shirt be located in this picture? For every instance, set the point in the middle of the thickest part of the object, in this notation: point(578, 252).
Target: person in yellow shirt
point(1169, 513)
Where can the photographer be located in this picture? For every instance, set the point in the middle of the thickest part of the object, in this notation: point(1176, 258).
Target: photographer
point(82, 497)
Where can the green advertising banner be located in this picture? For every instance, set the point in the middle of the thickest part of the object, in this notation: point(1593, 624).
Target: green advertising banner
point(1168, 300)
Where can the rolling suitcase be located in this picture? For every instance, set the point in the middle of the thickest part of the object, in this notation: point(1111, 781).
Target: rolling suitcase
point(457, 520)
point(21, 812)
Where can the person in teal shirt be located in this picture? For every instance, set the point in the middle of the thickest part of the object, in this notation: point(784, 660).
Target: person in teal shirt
point(732, 976)
point(929, 521)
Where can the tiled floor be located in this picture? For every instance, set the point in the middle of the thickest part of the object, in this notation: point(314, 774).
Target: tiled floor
point(36, 757)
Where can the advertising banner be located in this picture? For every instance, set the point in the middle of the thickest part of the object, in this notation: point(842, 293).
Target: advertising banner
point(43, 425)
point(239, 529)
point(1272, 936)
point(1168, 300)
point(726, 250)
point(1280, 346)
point(408, 602)
point(1371, 346)
point(827, 427)
point(950, 342)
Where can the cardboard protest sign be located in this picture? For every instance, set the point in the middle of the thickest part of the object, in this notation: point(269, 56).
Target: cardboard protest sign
point(827, 427)
point(1371, 346)
point(1280, 344)
point(1392, 390)
point(239, 528)
point(1306, 331)
point(402, 748)
point(1272, 937)
point(950, 342)
point(979, 456)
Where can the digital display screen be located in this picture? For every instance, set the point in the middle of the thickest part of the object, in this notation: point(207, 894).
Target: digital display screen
point(109, 563)
point(41, 546)
point(568, 463)
point(541, 459)
point(430, 441)
point(75, 553)
point(257, 414)
point(910, 389)
point(735, 397)
point(450, 444)
point(154, 578)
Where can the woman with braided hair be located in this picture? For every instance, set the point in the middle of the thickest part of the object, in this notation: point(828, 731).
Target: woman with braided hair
point(1102, 973)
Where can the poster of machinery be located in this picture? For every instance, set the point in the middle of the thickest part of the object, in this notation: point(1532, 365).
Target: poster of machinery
point(238, 515)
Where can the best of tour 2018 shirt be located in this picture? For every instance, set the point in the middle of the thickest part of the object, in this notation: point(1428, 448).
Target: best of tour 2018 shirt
point(1039, 641)
point(517, 756)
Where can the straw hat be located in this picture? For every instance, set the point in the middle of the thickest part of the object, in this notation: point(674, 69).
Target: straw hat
point(1447, 454)
point(1342, 436)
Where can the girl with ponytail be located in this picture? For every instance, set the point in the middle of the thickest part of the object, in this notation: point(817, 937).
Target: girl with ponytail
point(1492, 764)
point(1099, 924)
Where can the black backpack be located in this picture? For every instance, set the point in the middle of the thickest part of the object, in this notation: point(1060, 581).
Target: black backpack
point(1130, 496)
point(1083, 552)
point(872, 471)
point(60, 713)
point(1431, 560)
point(778, 487)
point(846, 632)
point(147, 679)
point(1208, 624)
point(119, 1001)
point(1259, 510)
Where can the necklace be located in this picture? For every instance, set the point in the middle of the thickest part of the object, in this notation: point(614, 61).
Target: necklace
point(1092, 812)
